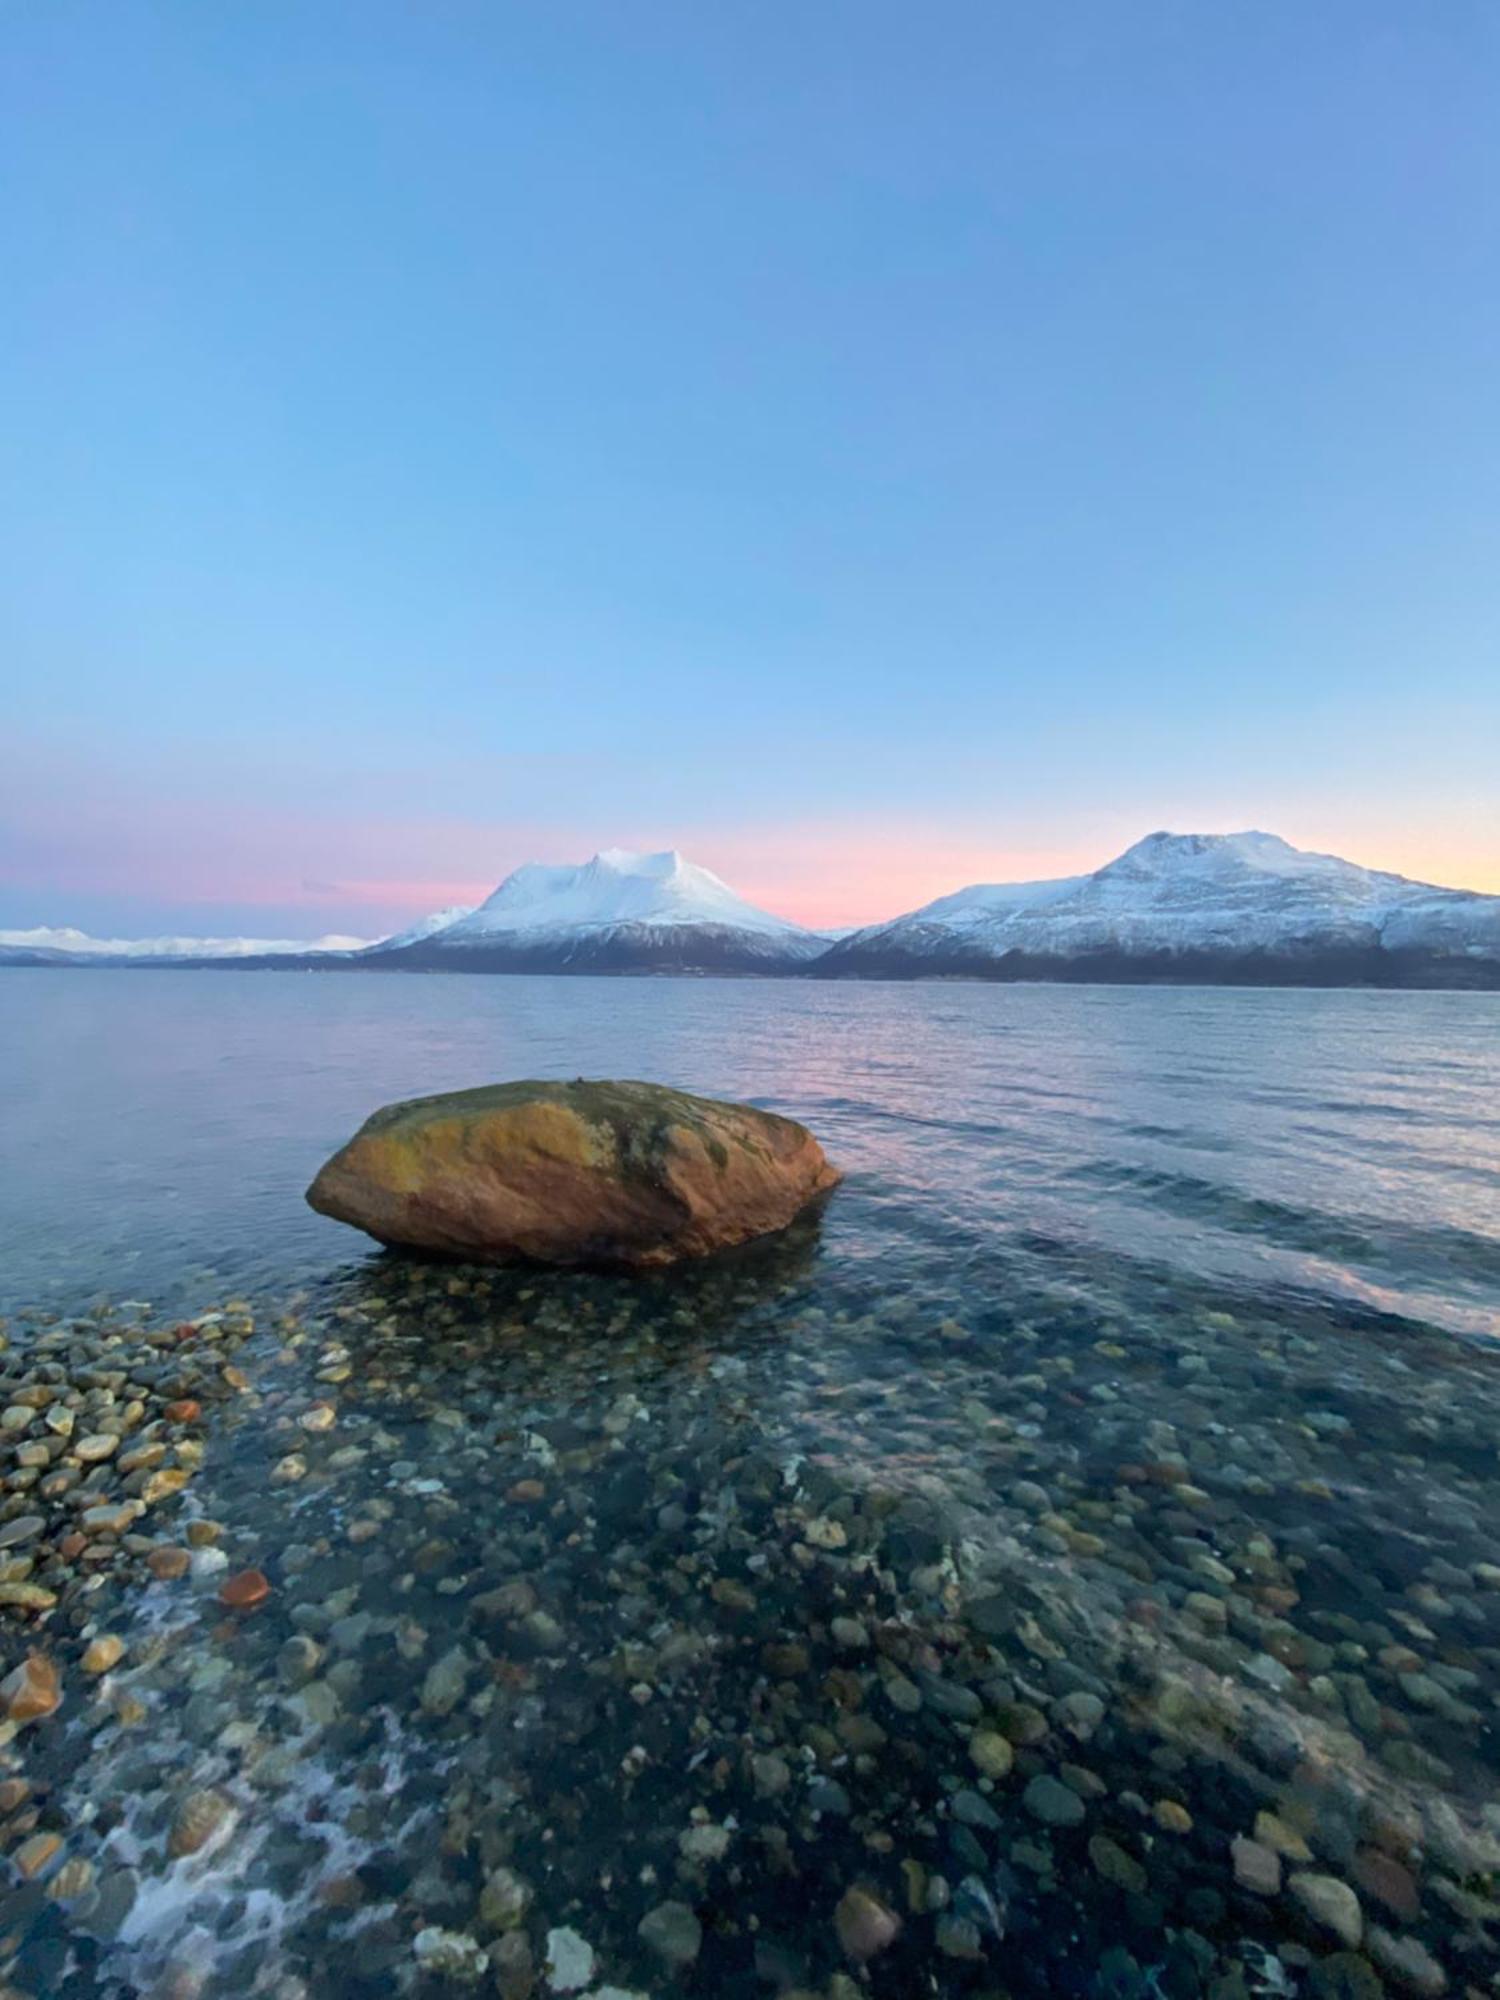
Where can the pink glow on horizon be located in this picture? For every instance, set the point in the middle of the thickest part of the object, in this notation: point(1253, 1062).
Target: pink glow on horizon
point(828, 876)
point(830, 880)
point(135, 845)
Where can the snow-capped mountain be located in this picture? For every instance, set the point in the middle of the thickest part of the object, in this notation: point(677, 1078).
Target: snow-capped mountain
point(620, 912)
point(1243, 908)
point(1239, 906)
point(62, 945)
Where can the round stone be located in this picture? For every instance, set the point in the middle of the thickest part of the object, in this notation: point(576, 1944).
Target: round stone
point(200, 1818)
point(1116, 1866)
point(504, 1900)
point(865, 1926)
point(673, 1932)
point(103, 1653)
point(570, 1961)
point(1256, 1866)
point(1332, 1905)
point(244, 1591)
point(36, 1855)
point(32, 1690)
point(450, 1955)
point(1051, 1801)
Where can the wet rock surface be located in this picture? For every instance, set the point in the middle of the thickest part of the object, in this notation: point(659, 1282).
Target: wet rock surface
point(760, 1629)
point(630, 1176)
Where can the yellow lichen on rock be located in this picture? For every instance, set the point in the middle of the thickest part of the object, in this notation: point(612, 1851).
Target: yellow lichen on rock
point(630, 1175)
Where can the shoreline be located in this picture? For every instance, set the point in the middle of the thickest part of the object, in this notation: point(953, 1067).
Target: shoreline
point(1037, 1649)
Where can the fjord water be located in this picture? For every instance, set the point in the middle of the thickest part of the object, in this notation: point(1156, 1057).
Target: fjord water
point(161, 1126)
point(1066, 1565)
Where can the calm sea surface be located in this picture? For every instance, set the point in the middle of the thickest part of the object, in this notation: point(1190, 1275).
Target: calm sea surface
point(161, 1126)
point(1069, 1565)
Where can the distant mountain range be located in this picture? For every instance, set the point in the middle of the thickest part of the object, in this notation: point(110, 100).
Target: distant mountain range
point(46, 945)
point(1239, 908)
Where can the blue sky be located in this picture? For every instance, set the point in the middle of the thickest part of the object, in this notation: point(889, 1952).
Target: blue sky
point(869, 447)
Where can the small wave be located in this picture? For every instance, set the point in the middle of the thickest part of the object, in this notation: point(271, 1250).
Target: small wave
point(1405, 1248)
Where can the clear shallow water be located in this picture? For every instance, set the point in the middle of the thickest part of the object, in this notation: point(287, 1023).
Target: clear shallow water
point(164, 1124)
point(1132, 1403)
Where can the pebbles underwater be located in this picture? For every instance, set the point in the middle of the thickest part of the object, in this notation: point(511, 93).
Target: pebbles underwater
point(764, 1629)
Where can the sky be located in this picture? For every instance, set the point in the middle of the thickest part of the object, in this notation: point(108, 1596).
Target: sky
point(872, 448)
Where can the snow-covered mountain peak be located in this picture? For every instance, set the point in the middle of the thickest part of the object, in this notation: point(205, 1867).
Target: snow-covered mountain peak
point(1178, 853)
point(1176, 896)
point(617, 888)
point(626, 861)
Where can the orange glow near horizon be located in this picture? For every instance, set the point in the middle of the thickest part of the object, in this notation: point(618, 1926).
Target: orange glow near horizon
point(830, 877)
point(374, 875)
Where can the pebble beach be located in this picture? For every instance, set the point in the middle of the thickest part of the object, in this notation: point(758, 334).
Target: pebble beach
point(615, 1641)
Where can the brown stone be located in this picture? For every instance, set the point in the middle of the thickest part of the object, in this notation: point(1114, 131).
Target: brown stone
point(340, 1892)
point(200, 1818)
point(166, 1564)
point(184, 1412)
point(1388, 1882)
point(624, 1175)
point(864, 1924)
point(245, 1591)
point(74, 1878)
point(27, 1596)
point(32, 1690)
point(103, 1653)
point(36, 1855)
point(162, 1485)
point(141, 1459)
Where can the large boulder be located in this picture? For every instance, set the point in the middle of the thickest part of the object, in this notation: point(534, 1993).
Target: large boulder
point(621, 1175)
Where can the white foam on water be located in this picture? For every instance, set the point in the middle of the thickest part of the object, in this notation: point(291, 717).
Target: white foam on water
point(196, 1915)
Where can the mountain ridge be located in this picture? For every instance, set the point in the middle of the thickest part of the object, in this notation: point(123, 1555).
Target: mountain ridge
point(1192, 905)
point(619, 911)
point(1239, 908)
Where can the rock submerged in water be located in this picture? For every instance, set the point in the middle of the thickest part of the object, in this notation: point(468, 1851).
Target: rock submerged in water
point(628, 1176)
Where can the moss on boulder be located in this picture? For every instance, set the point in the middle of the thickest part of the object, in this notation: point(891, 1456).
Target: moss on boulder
point(620, 1175)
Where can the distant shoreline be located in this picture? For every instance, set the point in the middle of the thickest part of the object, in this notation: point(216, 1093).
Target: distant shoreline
point(1357, 971)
